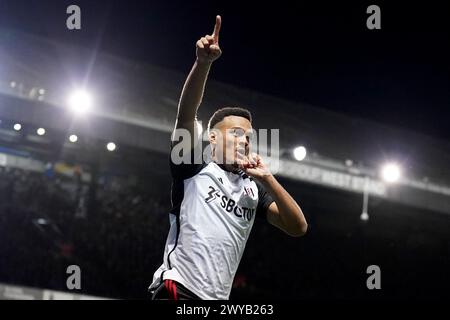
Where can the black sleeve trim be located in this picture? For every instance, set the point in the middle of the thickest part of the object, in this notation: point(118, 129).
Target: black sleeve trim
point(264, 201)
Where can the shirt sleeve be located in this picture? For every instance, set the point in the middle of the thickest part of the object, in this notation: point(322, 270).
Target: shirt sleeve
point(264, 201)
point(185, 169)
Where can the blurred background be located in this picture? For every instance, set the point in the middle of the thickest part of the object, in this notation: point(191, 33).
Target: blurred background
point(85, 123)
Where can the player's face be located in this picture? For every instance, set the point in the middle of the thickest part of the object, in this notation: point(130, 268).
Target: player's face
point(234, 134)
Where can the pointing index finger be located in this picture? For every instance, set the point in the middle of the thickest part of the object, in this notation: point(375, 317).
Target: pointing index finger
point(217, 29)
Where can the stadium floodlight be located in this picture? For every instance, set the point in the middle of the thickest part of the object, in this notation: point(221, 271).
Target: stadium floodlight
point(111, 146)
point(390, 172)
point(40, 131)
point(73, 138)
point(300, 153)
point(80, 101)
point(17, 126)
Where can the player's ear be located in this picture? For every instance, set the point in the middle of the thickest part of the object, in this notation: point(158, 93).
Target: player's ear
point(212, 135)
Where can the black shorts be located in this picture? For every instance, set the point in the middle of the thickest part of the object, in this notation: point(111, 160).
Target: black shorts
point(172, 290)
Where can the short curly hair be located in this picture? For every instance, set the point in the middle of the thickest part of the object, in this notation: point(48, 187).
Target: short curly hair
point(220, 114)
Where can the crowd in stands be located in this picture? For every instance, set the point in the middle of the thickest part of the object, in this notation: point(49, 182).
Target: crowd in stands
point(117, 244)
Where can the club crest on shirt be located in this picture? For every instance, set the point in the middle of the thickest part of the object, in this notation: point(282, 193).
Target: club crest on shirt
point(249, 192)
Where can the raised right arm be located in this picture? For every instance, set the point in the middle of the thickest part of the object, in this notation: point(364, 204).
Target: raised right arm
point(207, 51)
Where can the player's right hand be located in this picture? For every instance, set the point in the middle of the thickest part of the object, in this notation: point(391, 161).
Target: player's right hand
point(208, 48)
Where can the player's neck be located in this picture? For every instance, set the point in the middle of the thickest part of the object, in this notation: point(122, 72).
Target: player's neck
point(227, 167)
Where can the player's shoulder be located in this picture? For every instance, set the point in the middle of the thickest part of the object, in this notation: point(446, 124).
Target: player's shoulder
point(185, 171)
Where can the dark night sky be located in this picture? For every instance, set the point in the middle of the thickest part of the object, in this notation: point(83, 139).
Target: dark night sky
point(321, 54)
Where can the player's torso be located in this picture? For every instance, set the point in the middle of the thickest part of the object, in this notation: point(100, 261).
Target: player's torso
point(216, 217)
point(220, 203)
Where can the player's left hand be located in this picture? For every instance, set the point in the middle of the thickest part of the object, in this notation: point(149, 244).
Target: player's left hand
point(254, 166)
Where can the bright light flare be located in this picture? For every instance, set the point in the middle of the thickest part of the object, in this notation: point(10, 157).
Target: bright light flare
point(111, 146)
point(390, 172)
point(80, 102)
point(73, 138)
point(300, 153)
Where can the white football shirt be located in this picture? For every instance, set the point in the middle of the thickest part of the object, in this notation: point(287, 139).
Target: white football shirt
point(213, 211)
